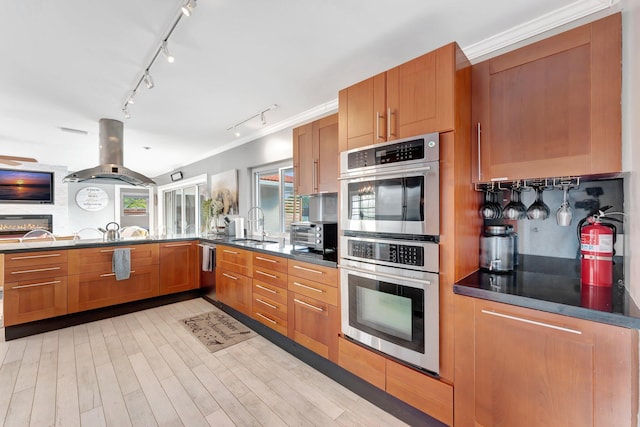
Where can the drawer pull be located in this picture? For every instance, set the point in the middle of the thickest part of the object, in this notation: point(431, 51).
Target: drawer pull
point(275, 307)
point(176, 245)
point(36, 270)
point(307, 269)
point(113, 274)
point(266, 274)
point(308, 287)
point(229, 276)
point(111, 250)
point(306, 304)
point(267, 259)
point(532, 322)
point(266, 289)
point(34, 256)
point(53, 282)
point(267, 319)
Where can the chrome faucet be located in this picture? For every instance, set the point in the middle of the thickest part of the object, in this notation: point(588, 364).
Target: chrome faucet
point(260, 220)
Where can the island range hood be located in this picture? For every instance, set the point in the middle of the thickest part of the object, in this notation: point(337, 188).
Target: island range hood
point(110, 170)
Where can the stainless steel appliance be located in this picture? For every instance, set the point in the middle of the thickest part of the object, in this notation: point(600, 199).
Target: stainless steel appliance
point(392, 187)
point(499, 248)
point(320, 237)
point(323, 207)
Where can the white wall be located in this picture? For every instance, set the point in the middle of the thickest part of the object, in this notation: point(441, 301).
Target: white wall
point(79, 218)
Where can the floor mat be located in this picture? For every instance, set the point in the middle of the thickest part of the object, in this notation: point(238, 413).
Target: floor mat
point(217, 330)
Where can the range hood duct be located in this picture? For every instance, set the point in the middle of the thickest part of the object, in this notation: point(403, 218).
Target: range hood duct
point(110, 170)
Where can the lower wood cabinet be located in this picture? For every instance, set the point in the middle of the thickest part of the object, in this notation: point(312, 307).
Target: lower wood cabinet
point(30, 300)
point(270, 305)
point(234, 290)
point(516, 366)
point(178, 267)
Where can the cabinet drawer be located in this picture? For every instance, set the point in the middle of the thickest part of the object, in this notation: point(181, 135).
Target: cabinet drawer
point(234, 259)
point(273, 318)
point(27, 301)
point(314, 272)
point(35, 268)
point(270, 291)
point(100, 259)
point(316, 290)
point(270, 276)
point(30, 259)
point(270, 262)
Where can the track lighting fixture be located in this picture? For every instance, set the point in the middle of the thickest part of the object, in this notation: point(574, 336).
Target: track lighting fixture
point(188, 7)
point(126, 113)
point(165, 50)
point(148, 80)
point(131, 99)
point(260, 114)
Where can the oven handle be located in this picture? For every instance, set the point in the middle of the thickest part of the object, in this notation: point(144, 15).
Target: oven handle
point(389, 276)
point(382, 173)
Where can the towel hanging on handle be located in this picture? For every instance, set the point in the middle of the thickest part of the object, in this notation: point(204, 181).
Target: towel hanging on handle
point(121, 263)
point(208, 258)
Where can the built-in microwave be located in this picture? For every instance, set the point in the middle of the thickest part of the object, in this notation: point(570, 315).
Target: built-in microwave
point(392, 187)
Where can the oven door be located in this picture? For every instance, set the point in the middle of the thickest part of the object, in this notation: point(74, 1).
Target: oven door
point(393, 202)
point(398, 316)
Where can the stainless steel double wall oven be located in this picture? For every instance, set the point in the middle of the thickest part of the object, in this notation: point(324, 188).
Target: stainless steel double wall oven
point(389, 255)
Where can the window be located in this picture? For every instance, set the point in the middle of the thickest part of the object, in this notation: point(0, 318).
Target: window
point(179, 206)
point(273, 192)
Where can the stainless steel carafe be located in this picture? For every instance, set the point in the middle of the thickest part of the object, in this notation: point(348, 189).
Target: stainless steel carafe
point(499, 248)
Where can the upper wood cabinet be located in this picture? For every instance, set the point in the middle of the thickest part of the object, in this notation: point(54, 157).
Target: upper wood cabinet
point(551, 108)
point(315, 156)
point(411, 99)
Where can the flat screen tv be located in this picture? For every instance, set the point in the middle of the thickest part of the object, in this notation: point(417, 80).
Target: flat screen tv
point(21, 186)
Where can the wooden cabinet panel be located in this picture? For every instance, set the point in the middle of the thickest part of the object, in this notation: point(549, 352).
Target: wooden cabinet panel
point(271, 262)
point(315, 272)
point(27, 266)
point(270, 276)
point(551, 108)
point(178, 267)
point(91, 290)
point(234, 289)
point(273, 292)
point(27, 301)
point(361, 109)
point(312, 289)
point(314, 324)
point(325, 154)
point(270, 312)
point(514, 363)
point(366, 364)
point(303, 159)
point(234, 260)
point(99, 259)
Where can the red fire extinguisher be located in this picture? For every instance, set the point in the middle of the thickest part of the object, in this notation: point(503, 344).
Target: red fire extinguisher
point(597, 239)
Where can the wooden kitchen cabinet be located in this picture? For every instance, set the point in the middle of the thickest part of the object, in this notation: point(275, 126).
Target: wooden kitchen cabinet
point(552, 108)
point(178, 267)
point(270, 291)
point(411, 99)
point(313, 321)
point(315, 156)
point(517, 366)
point(233, 278)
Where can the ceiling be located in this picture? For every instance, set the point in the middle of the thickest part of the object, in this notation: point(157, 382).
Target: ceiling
point(68, 63)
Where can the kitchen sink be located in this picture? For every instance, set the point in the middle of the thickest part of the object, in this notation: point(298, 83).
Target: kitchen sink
point(254, 241)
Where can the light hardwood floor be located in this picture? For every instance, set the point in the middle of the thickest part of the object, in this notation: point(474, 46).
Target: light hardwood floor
point(145, 369)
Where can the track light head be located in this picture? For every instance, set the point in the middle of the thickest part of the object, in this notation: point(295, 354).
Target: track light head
point(148, 80)
point(165, 51)
point(188, 7)
point(131, 99)
point(126, 113)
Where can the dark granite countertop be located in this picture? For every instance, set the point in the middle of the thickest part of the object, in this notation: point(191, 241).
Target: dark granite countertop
point(553, 285)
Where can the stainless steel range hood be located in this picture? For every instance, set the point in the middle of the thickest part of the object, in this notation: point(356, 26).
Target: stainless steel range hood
point(110, 170)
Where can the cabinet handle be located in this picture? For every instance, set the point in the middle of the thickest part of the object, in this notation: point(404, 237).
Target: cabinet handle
point(267, 319)
point(111, 250)
point(378, 117)
point(389, 133)
point(113, 274)
point(34, 256)
point(532, 322)
point(266, 274)
point(308, 287)
point(266, 289)
point(176, 245)
point(297, 267)
point(35, 270)
point(267, 259)
point(314, 180)
point(230, 252)
point(275, 307)
point(479, 154)
point(306, 304)
point(53, 282)
point(229, 276)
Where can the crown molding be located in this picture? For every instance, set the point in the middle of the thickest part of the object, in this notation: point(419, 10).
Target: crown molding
point(539, 25)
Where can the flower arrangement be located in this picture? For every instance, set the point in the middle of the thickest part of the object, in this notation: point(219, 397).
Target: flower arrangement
point(212, 209)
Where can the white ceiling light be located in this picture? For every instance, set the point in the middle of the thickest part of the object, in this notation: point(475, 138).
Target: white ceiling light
point(167, 54)
point(188, 7)
point(148, 80)
point(260, 114)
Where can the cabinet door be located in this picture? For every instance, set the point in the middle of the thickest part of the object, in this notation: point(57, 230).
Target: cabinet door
point(234, 260)
point(178, 264)
point(303, 163)
point(314, 324)
point(362, 113)
point(515, 365)
point(420, 94)
point(325, 154)
point(551, 108)
point(27, 301)
point(234, 290)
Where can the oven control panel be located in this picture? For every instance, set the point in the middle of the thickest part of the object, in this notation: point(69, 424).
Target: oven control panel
point(387, 252)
